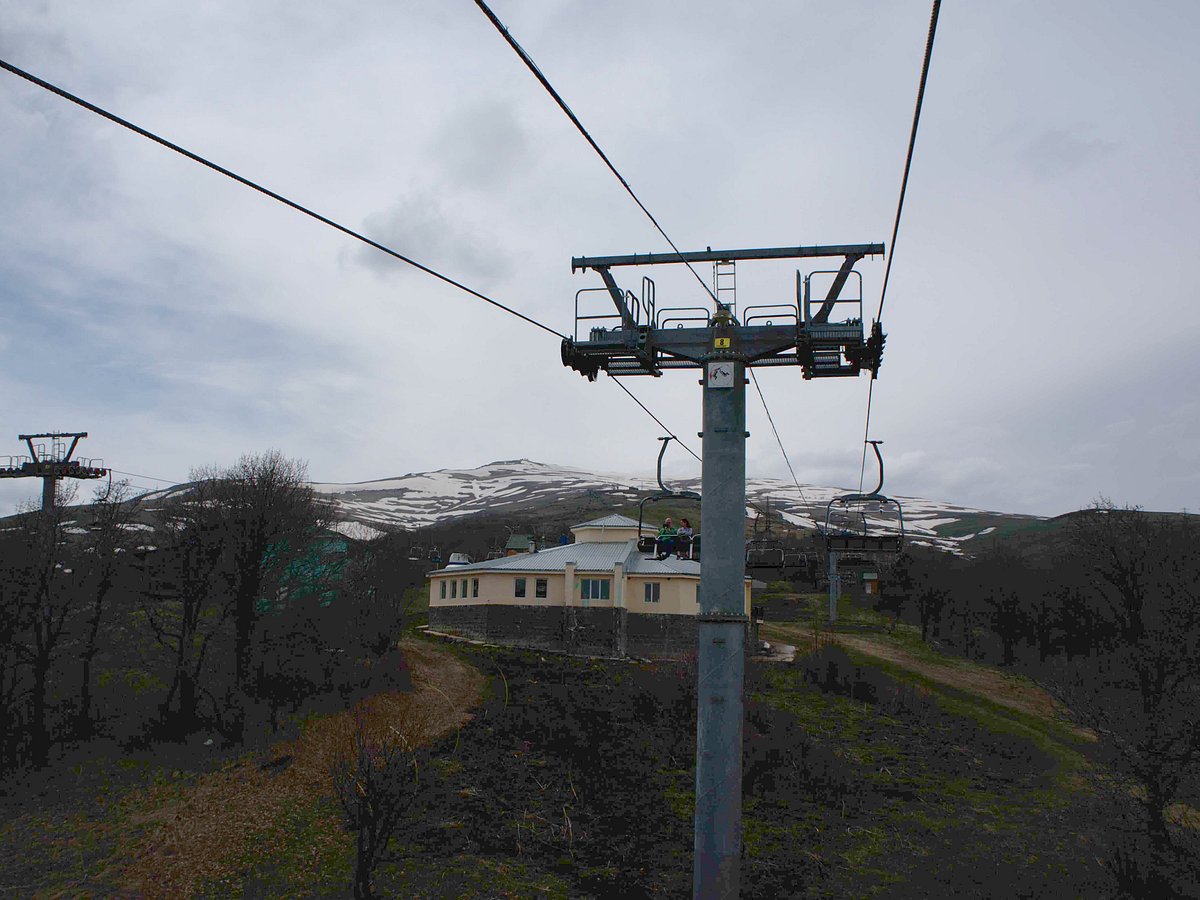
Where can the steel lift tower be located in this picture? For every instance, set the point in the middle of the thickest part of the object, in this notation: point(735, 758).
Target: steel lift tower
point(53, 464)
point(639, 339)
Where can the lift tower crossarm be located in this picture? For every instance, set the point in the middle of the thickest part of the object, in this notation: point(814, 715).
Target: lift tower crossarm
point(835, 289)
point(618, 297)
point(858, 251)
point(29, 439)
point(50, 468)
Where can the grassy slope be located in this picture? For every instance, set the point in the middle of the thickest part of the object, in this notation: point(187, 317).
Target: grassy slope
point(1001, 704)
point(143, 825)
point(919, 797)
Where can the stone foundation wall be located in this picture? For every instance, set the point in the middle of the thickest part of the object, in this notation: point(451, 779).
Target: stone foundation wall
point(536, 627)
point(581, 631)
point(467, 621)
point(658, 636)
point(591, 631)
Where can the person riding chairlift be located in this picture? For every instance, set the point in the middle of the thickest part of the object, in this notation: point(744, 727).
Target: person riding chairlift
point(665, 540)
point(683, 539)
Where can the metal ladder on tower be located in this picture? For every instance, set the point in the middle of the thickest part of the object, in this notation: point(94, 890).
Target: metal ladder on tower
point(725, 284)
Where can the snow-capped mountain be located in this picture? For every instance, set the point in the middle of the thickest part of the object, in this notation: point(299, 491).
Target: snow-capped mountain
point(515, 486)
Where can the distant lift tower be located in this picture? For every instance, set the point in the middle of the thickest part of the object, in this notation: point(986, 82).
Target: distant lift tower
point(639, 339)
point(52, 463)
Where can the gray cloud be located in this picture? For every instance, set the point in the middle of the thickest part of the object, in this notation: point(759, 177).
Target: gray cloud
point(1058, 152)
point(419, 226)
point(483, 146)
point(27, 34)
point(1041, 292)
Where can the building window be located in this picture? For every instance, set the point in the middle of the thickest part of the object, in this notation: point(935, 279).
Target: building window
point(539, 589)
point(652, 591)
point(474, 587)
point(453, 589)
point(520, 588)
point(443, 590)
point(593, 589)
point(464, 589)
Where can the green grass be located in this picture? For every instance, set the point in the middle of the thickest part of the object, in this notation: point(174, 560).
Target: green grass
point(823, 715)
point(681, 794)
point(467, 876)
point(854, 619)
point(308, 853)
point(949, 804)
point(872, 850)
point(305, 845)
point(63, 850)
point(1050, 735)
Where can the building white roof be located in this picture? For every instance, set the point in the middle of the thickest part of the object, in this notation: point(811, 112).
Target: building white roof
point(614, 521)
point(589, 556)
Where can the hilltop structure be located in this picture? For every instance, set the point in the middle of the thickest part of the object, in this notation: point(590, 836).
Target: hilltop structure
point(599, 596)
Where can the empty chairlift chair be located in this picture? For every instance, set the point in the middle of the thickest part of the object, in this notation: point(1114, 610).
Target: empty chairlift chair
point(764, 553)
point(865, 523)
point(794, 559)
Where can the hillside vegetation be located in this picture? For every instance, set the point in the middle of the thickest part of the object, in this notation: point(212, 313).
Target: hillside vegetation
point(574, 777)
point(228, 698)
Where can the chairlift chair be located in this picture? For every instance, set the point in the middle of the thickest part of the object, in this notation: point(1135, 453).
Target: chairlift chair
point(764, 553)
point(649, 543)
point(794, 559)
point(417, 552)
point(851, 530)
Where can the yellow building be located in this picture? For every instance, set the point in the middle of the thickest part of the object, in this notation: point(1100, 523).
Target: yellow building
point(597, 596)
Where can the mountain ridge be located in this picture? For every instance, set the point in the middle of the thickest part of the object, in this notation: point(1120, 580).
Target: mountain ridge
point(519, 486)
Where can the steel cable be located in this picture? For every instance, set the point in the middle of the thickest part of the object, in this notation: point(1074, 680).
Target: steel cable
point(66, 95)
point(912, 143)
point(124, 123)
point(533, 67)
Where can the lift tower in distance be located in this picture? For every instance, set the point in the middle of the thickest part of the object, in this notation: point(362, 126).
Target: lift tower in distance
point(823, 333)
point(51, 465)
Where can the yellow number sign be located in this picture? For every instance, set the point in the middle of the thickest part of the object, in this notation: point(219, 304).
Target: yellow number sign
point(721, 343)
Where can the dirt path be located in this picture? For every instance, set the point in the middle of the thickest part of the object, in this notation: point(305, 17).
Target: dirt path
point(241, 810)
point(987, 683)
point(979, 680)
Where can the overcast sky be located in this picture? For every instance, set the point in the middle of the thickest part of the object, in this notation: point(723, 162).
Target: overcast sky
point(1042, 313)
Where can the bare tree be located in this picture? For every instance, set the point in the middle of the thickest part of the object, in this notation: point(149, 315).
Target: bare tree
point(924, 585)
point(239, 538)
point(268, 515)
point(376, 784)
point(1142, 691)
point(101, 565)
point(1044, 612)
point(1002, 582)
point(186, 599)
point(15, 613)
point(44, 594)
